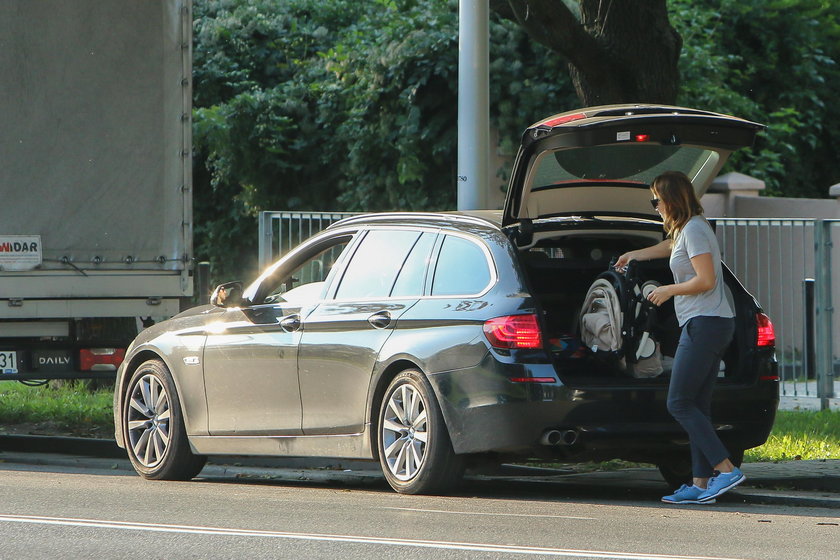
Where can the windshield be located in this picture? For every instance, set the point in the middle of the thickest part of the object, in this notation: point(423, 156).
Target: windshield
point(630, 163)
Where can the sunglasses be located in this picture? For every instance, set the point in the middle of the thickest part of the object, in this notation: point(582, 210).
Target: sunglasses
point(654, 202)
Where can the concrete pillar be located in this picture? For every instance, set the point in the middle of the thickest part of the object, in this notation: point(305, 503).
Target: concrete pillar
point(733, 185)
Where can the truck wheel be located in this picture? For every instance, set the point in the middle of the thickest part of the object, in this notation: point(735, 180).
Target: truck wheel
point(155, 437)
point(415, 452)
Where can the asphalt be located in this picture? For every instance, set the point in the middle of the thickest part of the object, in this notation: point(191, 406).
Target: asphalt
point(791, 483)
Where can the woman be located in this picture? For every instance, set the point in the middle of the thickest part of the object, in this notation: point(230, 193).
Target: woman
point(708, 324)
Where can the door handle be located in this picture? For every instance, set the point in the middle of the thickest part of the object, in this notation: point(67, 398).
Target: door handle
point(290, 323)
point(380, 320)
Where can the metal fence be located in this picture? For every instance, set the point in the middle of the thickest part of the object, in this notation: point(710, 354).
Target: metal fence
point(772, 257)
point(779, 261)
point(280, 231)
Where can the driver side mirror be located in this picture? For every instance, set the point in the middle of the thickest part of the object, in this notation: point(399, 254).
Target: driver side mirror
point(228, 294)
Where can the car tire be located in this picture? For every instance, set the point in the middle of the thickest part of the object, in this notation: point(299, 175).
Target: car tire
point(677, 471)
point(737, 457)
point(415, 451)
point(153, 426)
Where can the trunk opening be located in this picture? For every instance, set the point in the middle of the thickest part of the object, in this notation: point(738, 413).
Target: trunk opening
point(559, 272)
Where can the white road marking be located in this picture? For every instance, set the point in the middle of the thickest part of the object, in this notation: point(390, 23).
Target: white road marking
point(472, 547)
point(496, 514)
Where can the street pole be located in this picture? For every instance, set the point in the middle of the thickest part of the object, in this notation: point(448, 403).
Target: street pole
point(473, 103)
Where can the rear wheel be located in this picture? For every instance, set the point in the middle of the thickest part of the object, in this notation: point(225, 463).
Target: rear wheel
point(415, 451)
point(153, 425)
point(676, 470)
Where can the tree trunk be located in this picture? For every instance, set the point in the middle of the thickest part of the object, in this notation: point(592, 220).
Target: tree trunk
point(618, 51)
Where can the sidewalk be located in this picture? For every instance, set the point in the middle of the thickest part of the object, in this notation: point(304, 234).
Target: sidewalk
point(793, 483)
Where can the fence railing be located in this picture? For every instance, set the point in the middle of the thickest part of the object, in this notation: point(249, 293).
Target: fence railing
point(280, 231)
point(772, 257)
point(777, 260)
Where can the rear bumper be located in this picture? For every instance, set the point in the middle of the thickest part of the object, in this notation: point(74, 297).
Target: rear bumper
point(486, 412)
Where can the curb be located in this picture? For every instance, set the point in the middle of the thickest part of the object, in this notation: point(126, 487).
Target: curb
point(787, 499)
point(88, 447)
point(810, 491)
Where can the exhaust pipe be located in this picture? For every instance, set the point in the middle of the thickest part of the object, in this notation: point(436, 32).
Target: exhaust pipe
point(551, 437)
point(557, 437)
point(570, 437)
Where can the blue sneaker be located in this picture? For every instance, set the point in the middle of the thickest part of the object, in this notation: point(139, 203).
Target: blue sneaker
point(721, 483)
point(687, 495)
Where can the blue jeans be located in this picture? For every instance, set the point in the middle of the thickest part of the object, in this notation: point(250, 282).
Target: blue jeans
point(696, 364)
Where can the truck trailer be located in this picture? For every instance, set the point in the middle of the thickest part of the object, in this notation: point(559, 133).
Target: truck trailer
point(95, 180)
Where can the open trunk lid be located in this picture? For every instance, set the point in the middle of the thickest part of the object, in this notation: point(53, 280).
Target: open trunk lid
point(600, 161)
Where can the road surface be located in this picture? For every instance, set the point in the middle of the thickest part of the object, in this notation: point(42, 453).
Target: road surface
point(64, 512)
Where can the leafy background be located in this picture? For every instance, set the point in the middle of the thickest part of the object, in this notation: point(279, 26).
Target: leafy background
point(351, 104)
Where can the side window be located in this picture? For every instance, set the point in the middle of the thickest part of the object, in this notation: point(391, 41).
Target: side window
point(410, 280)
point(375, 264)
point(306, 282)
point(462, 268)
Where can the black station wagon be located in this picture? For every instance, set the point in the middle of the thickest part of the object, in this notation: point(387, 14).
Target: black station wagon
point(435, 341)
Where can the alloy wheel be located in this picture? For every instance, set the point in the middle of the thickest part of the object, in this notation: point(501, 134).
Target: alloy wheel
point(404, 432)
point(148, 417)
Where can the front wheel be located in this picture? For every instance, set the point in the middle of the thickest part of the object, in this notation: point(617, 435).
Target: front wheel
point(415, 452)
point(153, 425)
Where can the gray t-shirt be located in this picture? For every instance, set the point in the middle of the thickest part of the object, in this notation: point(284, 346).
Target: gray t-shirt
point(697, 238)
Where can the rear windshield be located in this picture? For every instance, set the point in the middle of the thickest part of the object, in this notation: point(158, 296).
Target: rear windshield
point(632, 163)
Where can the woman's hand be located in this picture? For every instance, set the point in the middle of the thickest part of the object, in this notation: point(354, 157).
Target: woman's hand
point(658, 251)
point(624, 260)
point(661, 294)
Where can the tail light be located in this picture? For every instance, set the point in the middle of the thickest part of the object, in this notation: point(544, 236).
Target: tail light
point(101, 359)
point(514, 331)
point(766, 335)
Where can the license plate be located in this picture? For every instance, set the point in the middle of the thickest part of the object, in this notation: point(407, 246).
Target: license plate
point(8, 362)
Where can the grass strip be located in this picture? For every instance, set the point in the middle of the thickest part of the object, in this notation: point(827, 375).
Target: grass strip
point(800, 435)
point(68, 406)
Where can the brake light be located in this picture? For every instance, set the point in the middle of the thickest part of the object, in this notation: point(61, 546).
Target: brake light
point(563, 120)
point(101, 359)
point(513, 331)
point(532, 379)
point(766, 335)
point(642, 137)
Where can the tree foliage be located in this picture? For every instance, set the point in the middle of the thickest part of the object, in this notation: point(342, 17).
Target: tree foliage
point(351, 104)
point(341, 105)
point(775, 62)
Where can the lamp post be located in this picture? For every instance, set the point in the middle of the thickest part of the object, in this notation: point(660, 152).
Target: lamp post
point(473, 103)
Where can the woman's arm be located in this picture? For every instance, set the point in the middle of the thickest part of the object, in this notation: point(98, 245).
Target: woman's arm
point(704, 268)
point(658, 251)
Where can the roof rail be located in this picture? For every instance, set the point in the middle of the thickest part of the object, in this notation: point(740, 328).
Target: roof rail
point(418, 216)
